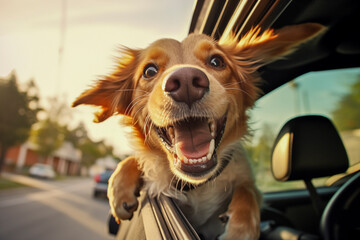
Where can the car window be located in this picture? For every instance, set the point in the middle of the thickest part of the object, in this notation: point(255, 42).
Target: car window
point(334, 94)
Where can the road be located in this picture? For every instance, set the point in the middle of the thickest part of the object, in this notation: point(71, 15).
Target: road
point(53, 210)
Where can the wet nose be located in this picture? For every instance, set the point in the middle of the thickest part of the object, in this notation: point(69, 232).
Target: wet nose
point(187, 85)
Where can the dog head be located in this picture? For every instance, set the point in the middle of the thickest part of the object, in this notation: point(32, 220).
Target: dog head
point(188, 99)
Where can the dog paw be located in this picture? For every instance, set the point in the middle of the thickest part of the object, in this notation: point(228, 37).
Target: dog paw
point(122, 204)
point(124, 189)
point(242, 226)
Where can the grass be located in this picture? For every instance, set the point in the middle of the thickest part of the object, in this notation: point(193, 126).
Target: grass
point(7, 184)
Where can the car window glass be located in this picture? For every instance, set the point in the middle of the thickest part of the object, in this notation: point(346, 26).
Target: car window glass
point(334, 94)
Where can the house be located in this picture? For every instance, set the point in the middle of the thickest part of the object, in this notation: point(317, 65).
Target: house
point(65, 160)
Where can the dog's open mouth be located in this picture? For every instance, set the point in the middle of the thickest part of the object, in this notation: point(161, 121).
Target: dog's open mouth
point(193, 143)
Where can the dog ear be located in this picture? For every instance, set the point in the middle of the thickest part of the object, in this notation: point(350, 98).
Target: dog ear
point(263, 48)
point(113, 93)
point(255, 49)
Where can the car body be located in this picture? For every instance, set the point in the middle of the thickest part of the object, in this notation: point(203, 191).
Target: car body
point(101, 183)
point(41, 170)
point(288, 212)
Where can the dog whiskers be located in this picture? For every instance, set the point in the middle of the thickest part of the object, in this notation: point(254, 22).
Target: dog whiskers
point(149, 132)
point(165, 113)
point(171, 182)
point(136, 113)
point(134, 102)
point(134, 116)
point(147, 125)
point(131, 90)
point(239, 89)
point(176, 186)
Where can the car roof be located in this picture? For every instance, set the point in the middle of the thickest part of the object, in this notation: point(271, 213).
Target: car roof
point(339, 47)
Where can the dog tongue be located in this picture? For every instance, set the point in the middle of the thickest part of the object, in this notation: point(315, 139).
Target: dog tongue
point(193, 138)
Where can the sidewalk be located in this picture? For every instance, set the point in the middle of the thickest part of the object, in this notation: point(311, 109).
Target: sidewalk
point(25, 180)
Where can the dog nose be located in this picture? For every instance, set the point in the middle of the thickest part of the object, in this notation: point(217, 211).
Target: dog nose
point(187, 85)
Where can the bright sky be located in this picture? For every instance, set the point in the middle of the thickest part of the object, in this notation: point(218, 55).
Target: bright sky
point(30, 39)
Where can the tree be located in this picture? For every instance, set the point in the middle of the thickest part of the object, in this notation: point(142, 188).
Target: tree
point(76, 136)
point(91, 150)
point(48, 136)
point(347, 112)
point(18, 112)
point(80, 139)
point(90, 153)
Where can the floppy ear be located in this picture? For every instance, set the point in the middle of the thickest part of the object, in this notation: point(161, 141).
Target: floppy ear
point(113, 93)
point(263, 48)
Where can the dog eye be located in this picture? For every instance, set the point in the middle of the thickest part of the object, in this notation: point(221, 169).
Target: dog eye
point(217, 62)
point(150, 70)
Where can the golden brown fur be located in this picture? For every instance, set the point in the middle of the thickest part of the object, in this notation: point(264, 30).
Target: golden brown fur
point(144, 89)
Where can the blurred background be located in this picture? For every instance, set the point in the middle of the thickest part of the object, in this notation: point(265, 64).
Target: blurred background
point(54, 161)
point(51, 51)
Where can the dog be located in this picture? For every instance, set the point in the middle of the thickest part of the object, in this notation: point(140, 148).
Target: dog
point(187, 103)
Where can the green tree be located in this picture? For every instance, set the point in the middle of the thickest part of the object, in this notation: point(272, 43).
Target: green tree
point(91, 150)
point(347, 111)
point(77, 136)
point(50, 133)
point(18, 112)
point(48, 136)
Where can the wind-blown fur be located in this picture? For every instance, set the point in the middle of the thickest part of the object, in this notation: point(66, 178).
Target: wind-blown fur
point(187, 103)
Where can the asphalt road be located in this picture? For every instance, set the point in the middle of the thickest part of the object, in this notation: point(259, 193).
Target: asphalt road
point(52, 210)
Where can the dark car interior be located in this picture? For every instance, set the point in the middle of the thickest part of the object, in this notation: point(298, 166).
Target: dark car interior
point(306, 148)
point(337, 48)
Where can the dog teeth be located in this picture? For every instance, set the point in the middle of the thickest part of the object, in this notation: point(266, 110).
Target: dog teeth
point(179, 152)
point(176, 162)
point(211, 149)
point(196, 161)
point(170, 131)
point(179, 157)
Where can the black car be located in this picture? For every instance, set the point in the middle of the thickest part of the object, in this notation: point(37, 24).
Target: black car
point(101, 186)
point(305, 128)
